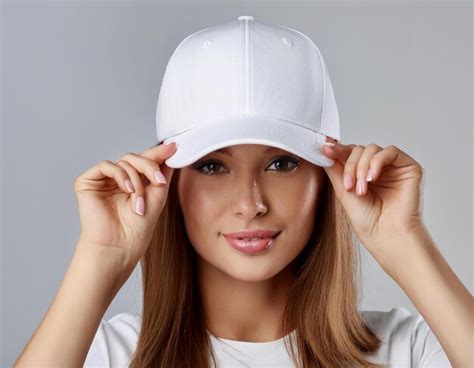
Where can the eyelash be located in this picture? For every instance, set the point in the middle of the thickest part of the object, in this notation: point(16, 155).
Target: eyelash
point(198, 167)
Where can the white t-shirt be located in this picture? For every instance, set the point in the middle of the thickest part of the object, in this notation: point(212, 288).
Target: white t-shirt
point(407, 342)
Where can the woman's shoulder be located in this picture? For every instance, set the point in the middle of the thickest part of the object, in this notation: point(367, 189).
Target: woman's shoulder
point(406, 338)
point(395, 320)
point(132, 320)
point(115, 341)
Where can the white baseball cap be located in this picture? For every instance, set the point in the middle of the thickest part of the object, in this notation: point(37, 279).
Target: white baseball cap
point(246, 82)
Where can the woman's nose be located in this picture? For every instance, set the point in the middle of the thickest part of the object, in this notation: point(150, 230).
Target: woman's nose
point(251, 201)
point(258, 197)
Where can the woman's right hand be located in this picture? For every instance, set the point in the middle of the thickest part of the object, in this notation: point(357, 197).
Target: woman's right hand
point(107, 208)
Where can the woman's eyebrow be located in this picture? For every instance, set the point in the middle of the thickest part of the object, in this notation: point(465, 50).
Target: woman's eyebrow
point(226, 152)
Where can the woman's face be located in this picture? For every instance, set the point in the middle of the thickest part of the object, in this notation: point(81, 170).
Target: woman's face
point(217, 196)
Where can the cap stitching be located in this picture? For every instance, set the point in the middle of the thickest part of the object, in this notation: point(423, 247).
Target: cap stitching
point(283, 119)
point(247, 66)
point(249, 48)
point(242, 77)
point(299, 145)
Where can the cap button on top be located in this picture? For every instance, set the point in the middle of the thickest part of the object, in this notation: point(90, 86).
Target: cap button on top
point(245, 17)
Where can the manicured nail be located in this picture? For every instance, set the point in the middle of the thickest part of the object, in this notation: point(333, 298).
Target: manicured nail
point(348, 181)
point(129, 185)
point(140, 206)
point(329, 145)
point(360, 187)
point(159, 177)
point(370, 174)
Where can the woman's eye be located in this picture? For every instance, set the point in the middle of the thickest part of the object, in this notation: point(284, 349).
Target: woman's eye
point(212, 165)
point(209, 164)
point(287, 160)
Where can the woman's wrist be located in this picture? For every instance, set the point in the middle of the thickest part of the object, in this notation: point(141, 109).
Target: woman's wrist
point(109, 263)
point(394, 253)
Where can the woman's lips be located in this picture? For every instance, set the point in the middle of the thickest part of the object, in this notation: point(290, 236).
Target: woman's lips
point(252, 246)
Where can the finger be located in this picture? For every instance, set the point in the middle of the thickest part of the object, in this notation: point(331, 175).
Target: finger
point(342, 175)
point(338, 151)
point(391, 155)
point(330, 139)
point(394, 156)
point(350, 166)
point(146, 166)
point(160, 153)
point(363, 167)
point(335, 174)
point(157, 195)
point(138, 196)
point(102, 170)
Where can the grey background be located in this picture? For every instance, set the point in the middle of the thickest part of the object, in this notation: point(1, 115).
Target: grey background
point(80, 83)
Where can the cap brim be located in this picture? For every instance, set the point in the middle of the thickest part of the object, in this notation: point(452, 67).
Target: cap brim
point(199, 141)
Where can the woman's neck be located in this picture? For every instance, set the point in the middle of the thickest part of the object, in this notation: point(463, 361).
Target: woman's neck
point(249, 311)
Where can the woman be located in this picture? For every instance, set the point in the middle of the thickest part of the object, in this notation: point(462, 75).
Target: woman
point(287, 298)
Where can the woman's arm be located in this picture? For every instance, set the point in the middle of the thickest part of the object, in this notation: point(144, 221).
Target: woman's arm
point(65, 334)
point(385, 212)
point(444, 302)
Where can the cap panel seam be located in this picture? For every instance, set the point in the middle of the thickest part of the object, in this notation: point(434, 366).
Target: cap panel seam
point(242, 76)
point(249, 50)
point(247, 74)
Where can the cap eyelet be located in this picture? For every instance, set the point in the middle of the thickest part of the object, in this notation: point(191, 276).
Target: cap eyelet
point(286, 41)
point(207, 43)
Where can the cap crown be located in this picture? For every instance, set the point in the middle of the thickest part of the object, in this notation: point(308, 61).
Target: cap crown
point(246, 67)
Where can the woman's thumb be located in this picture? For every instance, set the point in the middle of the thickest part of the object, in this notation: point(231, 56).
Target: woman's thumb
point(335, 174)
point(156, 195)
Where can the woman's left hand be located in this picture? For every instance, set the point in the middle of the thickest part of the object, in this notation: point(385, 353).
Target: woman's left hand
point(386, 207)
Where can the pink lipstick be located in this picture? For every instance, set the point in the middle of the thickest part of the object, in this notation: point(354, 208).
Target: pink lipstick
point(252, 241)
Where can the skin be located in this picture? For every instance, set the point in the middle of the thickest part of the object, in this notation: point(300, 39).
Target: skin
point(380, 191)
point(244, 295)
point(385, 213)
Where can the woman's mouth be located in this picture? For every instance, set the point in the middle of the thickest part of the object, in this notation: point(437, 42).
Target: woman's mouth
point(252, 245)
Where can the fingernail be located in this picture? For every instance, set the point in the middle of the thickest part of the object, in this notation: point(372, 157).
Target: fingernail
point(159, 177)
point(329, 145)
point(129, 185)
point(360, 187)
point(140, 205)
point(347, 181)
point(370, 174)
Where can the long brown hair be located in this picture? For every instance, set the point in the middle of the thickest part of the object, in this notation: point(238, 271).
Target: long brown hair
point(322, 305)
